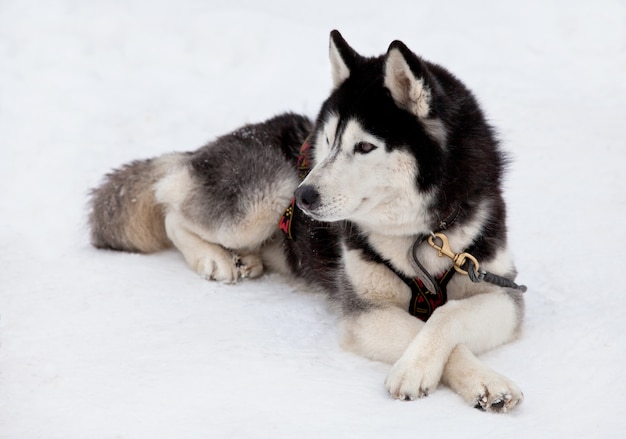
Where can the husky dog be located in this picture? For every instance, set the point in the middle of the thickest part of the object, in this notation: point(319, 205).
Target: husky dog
point(389, 207)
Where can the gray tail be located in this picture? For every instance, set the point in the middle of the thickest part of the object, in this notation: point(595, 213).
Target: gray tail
point(124, 212)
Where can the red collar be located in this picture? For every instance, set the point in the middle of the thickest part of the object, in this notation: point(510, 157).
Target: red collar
point(303, 165)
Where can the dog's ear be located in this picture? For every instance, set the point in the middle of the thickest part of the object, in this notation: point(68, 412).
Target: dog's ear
point(408, 80)
point(342, 58)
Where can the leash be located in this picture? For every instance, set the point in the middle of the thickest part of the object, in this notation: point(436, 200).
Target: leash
point(466, 264)
point(431, 293)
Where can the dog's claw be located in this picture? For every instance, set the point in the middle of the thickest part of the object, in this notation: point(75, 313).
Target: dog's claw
point(502, 403)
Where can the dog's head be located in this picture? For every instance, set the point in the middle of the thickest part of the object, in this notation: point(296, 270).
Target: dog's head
point(395, 142)
point(379, 142)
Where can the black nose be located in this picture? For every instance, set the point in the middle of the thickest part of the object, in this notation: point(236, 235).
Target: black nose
point(307, 197)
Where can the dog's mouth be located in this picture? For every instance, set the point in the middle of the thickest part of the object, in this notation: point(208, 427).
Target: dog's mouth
point(321, 213)
point(314, 216)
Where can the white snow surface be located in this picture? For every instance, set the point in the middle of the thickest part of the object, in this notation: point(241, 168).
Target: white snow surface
point(100, 344)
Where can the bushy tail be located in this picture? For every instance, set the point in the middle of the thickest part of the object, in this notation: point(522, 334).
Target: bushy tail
point(124, 212)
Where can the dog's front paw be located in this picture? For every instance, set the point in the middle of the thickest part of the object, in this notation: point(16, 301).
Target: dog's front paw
point(479, 385)
point(499, 395)
point(408, 380)
point(222, 269)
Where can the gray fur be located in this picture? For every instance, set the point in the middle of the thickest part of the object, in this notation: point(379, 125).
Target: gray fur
point(239, 171)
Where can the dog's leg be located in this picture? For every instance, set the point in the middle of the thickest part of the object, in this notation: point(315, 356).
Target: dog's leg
point(211, 261)
point(384, 334)
point(479, 385)
point(381, 334)
point(221, 250)
point(481, 322)
point(420, 350)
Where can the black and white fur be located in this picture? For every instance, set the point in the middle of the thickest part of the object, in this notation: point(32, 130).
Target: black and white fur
point(398, 147)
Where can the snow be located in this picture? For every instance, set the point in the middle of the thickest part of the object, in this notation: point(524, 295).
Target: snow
point(97, 344)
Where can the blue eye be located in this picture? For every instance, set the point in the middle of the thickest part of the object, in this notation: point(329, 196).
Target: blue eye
point(364, 148)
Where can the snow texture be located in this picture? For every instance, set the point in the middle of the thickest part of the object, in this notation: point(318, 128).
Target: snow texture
point(99, 344)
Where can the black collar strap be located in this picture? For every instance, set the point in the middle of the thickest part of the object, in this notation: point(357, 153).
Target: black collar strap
point(449, 220)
